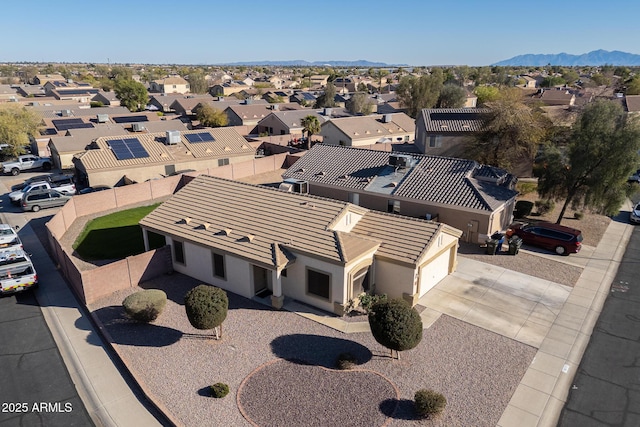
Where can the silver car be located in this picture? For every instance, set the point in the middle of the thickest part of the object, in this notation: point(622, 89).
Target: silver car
point(41, 199)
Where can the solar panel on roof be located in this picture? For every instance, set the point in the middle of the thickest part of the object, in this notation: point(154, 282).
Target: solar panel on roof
point(128, 148)
point(130, 119)
point(455, 116)
point(65, 124)
point(199, 137)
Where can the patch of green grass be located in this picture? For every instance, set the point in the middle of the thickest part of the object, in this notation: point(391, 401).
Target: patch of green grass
point(116, 236)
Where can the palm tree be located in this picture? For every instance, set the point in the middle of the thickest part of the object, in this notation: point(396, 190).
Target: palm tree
point(311, 126)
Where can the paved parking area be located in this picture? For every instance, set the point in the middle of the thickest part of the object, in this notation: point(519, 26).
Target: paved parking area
point(512, 304)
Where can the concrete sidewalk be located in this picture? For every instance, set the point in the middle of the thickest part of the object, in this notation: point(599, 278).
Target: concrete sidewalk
point(107, 396)
point(543, 391)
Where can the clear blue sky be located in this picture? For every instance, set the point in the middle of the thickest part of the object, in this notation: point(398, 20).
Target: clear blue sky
point(418, 32)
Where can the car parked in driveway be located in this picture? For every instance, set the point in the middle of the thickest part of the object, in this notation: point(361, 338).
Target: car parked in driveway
point(634, 216)
point(558, 238)
point(41, 199)
point(9, 237)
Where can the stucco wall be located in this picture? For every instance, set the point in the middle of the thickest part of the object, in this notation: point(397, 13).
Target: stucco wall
point(394, 279)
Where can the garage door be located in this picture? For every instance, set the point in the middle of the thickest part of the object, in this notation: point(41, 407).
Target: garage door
point(433, 272)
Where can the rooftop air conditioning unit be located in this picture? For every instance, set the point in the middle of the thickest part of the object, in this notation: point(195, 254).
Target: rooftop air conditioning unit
point(173, 137)
point(103, 118)
point(292, 185)
point(400, 161)
point(139, 127)
point(387, 118)
point(65, 113)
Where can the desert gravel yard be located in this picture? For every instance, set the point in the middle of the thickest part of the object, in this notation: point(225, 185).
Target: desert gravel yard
point(267, 357)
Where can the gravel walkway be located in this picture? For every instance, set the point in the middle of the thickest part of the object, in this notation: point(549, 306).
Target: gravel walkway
point(475, 369)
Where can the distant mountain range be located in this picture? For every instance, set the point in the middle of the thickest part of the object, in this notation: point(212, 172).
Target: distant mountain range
point(596, 57)
point(303, 63)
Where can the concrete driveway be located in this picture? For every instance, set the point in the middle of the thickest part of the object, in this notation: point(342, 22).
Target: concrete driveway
point(512, 304)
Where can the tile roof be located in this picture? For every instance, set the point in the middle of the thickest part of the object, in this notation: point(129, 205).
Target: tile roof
point(228, 143)
point(433, 179)
point(365, 127)
point(283, 223)
point(447, 120)
point(633, 103)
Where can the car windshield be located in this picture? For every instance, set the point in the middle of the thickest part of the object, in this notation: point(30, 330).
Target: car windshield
point(6, 232)
point(637, 208)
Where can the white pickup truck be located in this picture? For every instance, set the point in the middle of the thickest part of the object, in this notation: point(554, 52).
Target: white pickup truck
point(16, 271)
point(26, 162)
point(65, 186)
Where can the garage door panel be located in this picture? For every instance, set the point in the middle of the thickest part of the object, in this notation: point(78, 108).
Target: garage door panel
point(434, 272)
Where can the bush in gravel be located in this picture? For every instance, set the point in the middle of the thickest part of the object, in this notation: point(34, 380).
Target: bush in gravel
point(545, 206)
point(429, 402)
point(346, 361)
point(206, 307)
point(578, 215)
point(219, 390)
point(367, 300)
point(396, 325)
point(523, 208)
point(145, 306)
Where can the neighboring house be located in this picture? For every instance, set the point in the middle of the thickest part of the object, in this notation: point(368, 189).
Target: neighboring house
point(249, 113)
point(262, 242)
point(445, 131)
point(474, 198)
point(557, 97)
point(529, 82)
point(75, 141)
point(227, 88)
point(171, 84)
point(163, 101)
point(8, 93)
point(633, 103)
point(318, 80)
point(41, 79)
point(144, 156)
point(303, 97)
point(471, 101)
point(31, 91)
point(186, 105)
point(280, 122)
point(368, 130)
point(106, 98)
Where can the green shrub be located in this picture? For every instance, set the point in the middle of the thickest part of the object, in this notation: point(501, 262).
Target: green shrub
point(346, 361)
point(219, 390)
point(523, 208)
point(578, 215)
point(206, 306)
point(395, 324)
point(545, 206)
point(368, 300)
point(526, 187)
point(429, 402)
point(145, 306)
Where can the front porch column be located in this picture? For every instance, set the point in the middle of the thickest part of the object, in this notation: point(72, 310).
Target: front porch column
point(277, 299)
point(145, 237)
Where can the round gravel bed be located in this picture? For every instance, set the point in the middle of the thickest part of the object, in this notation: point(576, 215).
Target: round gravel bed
point(282, 393)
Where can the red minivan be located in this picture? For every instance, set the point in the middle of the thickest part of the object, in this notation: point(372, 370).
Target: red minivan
point(563, 240)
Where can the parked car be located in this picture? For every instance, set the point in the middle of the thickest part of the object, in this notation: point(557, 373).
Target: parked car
point(88, 190)
point(16, 271)
point(635, 177)
point(26, 162)
point(563, 240)
point(63, 185)
point(9, 237)
point(41, 199)
point(37, 178)
point(634, 216)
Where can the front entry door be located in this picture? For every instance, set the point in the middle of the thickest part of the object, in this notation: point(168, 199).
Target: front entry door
point(261, 281)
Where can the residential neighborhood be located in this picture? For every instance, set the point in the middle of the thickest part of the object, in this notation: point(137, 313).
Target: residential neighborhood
point(322, 244)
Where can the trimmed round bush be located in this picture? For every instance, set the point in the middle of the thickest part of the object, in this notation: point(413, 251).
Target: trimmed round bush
point(346, 361)
point(145, 306)
point(429, 402)
point(219, 390)
point(206, 306)
point(395, 324)
point(523, 208)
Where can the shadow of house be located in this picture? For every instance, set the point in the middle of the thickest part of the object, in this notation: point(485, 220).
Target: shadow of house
point(128, 332)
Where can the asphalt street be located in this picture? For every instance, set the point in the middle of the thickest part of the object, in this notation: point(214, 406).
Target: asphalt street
point(35, 386)
point(606, 389)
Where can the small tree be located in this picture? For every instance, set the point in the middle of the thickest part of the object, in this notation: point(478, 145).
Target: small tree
point(327, 99)
point(211, 117)
point(206, 308)
point(311, 126)
point(131, 94)
point(17, 125)
point(396, 325)
point(359, 104)
point(452, 96)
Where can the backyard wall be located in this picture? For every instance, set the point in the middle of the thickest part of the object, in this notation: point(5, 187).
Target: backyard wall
point(91, 285)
